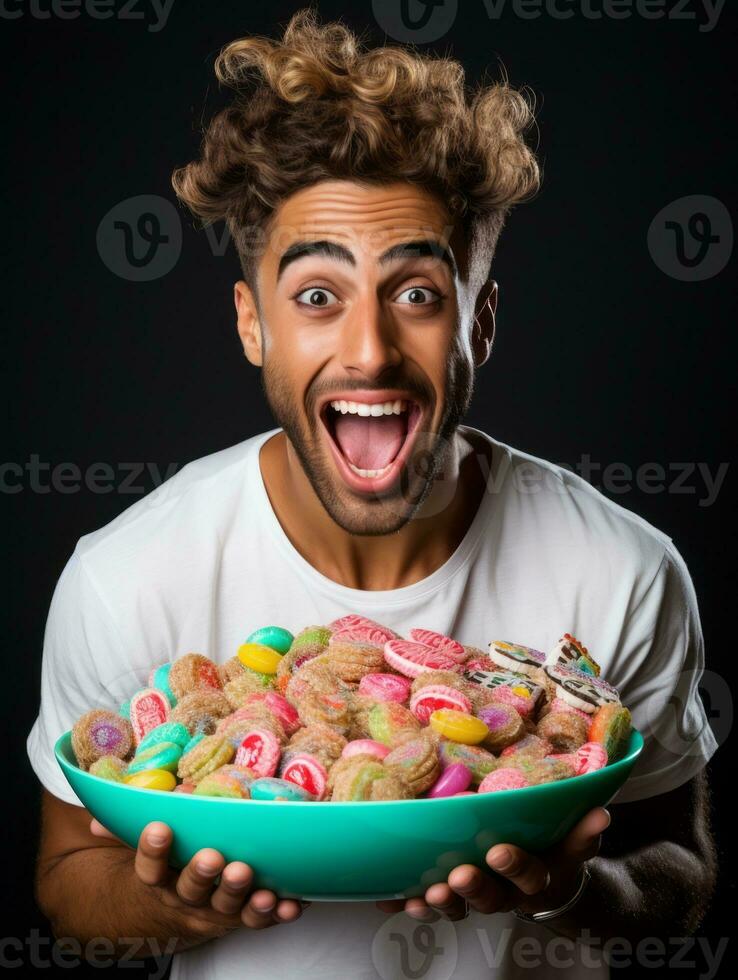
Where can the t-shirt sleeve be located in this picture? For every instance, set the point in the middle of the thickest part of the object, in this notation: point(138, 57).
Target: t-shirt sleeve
point(662, 668)
point(81, 646)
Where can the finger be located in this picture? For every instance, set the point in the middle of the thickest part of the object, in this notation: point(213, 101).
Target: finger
point(446, 902)
point(583, 841)
point(526, 871)
point(485, 893)
point(235, 882)
point(151, 863)
point(195, 883)
point(418, 908)
point(261, 909)
point(391, 905)
point(97, 829)
point(289, 909)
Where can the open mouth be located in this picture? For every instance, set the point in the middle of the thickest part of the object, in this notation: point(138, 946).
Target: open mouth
point(370, 441)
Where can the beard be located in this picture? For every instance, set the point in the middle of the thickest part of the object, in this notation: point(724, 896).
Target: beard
point(373, 514)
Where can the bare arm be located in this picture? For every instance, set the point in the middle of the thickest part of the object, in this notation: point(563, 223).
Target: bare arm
point(91, 885)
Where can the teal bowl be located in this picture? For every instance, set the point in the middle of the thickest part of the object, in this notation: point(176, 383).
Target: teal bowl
point(350, 851)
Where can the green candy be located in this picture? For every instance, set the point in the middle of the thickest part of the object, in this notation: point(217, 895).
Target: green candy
point(109, 767)
point(198, 737)
point(163, 755)
point(125, 710)
point(169, 731)
point(315, 634)
point(272, 636)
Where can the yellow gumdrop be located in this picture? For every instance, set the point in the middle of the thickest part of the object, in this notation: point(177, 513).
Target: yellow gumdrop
point(458, 726)
point(258, 657)
point(522, 692)
point(152, 779)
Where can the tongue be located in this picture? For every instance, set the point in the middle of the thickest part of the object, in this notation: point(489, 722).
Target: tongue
point(369, 442)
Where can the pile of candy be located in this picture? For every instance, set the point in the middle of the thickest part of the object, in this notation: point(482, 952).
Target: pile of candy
point(353, 711)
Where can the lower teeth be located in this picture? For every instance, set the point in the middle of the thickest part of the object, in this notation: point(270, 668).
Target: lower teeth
point(369, 472)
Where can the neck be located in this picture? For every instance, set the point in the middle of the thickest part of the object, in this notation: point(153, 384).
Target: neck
point(384, 562)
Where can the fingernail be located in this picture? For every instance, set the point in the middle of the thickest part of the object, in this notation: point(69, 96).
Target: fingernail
point(502, 860)
point(157, 839)
point(609, 817)
point(206, 869)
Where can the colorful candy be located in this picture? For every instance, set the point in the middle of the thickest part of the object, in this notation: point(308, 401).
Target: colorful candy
point(504, 726)
point(149, 708)
point(258, 657)
point(109, 767)
point(273, 788)
point(276, 637)
point(515, 657)
point(432, 697)
point(611, 727)
point(259, 751)
point(193, 672)
point(416, 762)
point(503, 778)
point(412, 659)
point(308, 772)
point(564, 730)
point(161, 755)
point(353, 711)
point(458, 726)
point(385, 687)
point(454, 779)
point(101, 732)
point(152, 779)
point(437, 641)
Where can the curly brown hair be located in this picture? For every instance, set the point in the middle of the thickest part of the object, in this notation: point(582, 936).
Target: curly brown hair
point(319, 106)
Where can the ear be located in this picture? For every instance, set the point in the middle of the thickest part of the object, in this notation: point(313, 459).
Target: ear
point(249, 327)
point(483, 330)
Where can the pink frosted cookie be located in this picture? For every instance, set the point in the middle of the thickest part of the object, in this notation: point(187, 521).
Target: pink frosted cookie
point(374, 635)
point(259, 751)
point(434, 696)
point(522, 695)
point(149, 708)
point(444, 644)
point(504, 778)
point(355, 621)
point(587, 758)
point(365, 746)
point(558, 704)
point(411, 658)
point(307, 772)
point(385, 687)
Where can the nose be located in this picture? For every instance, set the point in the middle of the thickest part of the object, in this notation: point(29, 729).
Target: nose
point(368, 340)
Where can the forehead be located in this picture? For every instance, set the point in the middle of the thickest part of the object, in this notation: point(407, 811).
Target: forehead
point(367, 219)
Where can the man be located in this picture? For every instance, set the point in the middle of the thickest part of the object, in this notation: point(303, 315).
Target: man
point(365, 194)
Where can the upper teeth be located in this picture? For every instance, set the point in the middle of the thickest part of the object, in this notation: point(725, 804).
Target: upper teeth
point(378, 408)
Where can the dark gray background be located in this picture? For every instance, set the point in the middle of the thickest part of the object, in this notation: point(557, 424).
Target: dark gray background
point(600, 352)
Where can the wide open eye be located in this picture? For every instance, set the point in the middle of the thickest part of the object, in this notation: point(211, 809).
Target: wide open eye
point(317, 297)
point(418, 296)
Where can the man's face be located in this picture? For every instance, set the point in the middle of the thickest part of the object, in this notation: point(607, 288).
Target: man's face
point(365, 363)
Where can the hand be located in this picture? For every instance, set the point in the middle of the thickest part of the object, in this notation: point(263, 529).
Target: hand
point(532, 883)
point(209, 909)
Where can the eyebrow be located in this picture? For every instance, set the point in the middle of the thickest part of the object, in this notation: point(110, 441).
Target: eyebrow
point(413, 249)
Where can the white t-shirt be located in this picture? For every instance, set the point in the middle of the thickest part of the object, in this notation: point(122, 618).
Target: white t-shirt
point(202, 561)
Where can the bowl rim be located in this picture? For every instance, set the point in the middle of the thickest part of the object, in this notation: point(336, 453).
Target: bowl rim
point(635, 746)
